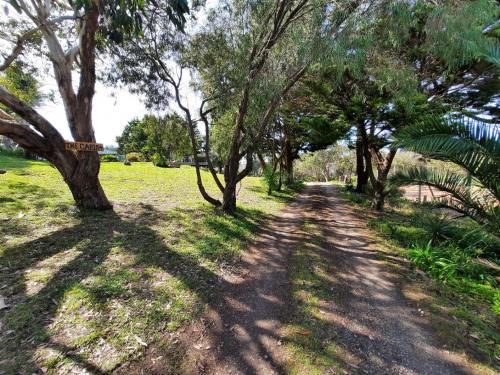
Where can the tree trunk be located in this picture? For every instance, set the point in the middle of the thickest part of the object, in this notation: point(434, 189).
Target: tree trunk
point(288, 156)
point(88, 193)
point(229, 198)
point(280, 178)
point(378, 199)
point(361, 164)
point(383, 167)
point(262, 161)
point(232, 176)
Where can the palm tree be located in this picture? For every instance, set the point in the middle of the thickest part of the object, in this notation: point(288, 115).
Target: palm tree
point(471, 144)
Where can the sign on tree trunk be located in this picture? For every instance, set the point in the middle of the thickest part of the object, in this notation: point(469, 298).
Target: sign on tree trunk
point(83, 146)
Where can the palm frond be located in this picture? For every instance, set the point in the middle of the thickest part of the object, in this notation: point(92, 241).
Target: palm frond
point(473, 145)
point(478, 204)
point(492, 54)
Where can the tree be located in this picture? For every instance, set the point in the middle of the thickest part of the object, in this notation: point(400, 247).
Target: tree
point(167, 138)
point(247, 60)
point(401, 65)
point(20, 81)
point(327, 164)
point(302, 124)
point(133, 138)
point(68, 34)
point(270, 47)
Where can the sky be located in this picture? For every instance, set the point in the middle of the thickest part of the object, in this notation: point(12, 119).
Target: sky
point(112, 109)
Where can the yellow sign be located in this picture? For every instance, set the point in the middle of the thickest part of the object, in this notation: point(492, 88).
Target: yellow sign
point(83, 146)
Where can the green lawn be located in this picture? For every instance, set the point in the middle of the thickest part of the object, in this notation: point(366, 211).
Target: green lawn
point(91, 290)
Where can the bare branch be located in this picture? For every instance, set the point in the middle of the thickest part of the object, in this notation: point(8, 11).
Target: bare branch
point(32, 117)
point(21, 40)
point(23, 135)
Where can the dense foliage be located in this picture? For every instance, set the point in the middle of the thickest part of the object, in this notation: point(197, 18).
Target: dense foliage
point(159, 138)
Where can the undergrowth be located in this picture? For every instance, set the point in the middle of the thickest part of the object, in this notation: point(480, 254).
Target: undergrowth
point(462, 259)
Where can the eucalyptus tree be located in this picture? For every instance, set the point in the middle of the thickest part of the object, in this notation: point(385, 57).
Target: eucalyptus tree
point(244, 61)
point(66, 35)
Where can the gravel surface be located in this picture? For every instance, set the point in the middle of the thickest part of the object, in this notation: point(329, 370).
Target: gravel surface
point(382, 332)
point(376, 329)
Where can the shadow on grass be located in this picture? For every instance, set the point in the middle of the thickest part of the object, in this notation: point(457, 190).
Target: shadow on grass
point(26, 196)
point(284, 196)
point(77, 259)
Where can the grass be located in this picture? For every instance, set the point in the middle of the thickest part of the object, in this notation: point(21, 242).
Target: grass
point(310, 339)
point(89, 291)
point(466, 297)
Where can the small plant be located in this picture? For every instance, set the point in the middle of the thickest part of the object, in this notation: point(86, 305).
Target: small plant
point(109, 158)
point(450, 264)
point(437, 225)
point(159, 161)
point(270, 179)
point(134, 156)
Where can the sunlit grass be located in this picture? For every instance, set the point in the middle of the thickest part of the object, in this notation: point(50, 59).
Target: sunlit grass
point(93, 290)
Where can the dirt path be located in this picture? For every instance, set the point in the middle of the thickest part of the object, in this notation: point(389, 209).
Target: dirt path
point(379, 329)
point(376, 329)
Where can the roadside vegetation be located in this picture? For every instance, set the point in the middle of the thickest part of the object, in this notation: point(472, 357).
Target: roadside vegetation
point(459, 259)
point(91, 291)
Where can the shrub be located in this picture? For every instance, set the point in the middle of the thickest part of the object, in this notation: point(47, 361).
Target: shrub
point(109, 158)
point(17, 152)
point(437, 226)
point(159, 161)
point(449, 263)
point(270, 179)
point(134, 156)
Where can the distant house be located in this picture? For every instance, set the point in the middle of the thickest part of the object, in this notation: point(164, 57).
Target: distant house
point(189, 160)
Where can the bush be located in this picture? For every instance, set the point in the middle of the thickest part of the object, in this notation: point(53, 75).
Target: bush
point(109, 158)
point(159, 161)
point(134, 156)
point(270, 179)
point(17, 152)
point(438, 226)
point(448, 263)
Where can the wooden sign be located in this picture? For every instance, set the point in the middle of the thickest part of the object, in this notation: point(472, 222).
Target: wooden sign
point(83, 146)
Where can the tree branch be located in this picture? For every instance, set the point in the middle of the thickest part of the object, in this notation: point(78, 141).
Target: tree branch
point(32, 117)
point(23, 135)
point(21, 40)
point(203, 115)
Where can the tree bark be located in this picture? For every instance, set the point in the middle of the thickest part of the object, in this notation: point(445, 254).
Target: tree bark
point(287, 156)
point(261, 161)
point(379, 182)
point(80, 170)
point(383, 164)
point(361, 164)
point(87, 190)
